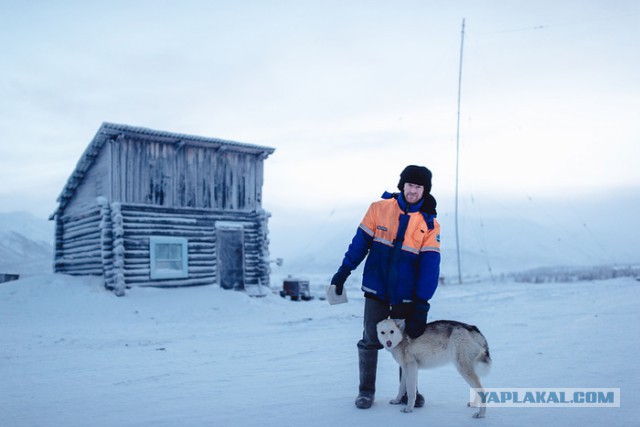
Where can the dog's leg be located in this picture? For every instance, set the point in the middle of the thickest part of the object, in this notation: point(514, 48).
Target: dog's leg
point(468, 373)
point(476, 400)
point(410, 373)
point(402, 389)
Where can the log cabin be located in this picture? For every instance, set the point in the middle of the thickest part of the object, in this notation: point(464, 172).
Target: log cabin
point(146, 207)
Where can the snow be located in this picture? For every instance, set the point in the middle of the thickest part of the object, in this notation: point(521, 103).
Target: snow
point(73, 354)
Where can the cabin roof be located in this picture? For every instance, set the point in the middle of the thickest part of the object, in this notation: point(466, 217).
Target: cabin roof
point(112, 131)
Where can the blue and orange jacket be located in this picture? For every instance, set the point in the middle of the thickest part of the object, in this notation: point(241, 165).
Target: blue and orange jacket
point(403, 248)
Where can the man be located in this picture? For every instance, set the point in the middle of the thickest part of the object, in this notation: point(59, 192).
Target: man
point(401, 237)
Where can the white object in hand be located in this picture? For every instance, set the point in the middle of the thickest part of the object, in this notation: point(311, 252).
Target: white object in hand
point(333, 298)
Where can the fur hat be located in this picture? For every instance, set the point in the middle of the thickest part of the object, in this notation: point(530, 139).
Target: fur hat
point(416, 175)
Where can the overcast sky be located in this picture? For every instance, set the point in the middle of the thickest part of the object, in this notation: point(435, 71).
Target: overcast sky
point(348, 92)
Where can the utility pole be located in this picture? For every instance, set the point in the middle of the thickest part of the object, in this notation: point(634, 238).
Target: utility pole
point(458, 152)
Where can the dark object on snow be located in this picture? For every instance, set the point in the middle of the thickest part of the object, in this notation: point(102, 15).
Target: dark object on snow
point(367, 366)
point(296, 289)
point(419, 400)
point(4, 277)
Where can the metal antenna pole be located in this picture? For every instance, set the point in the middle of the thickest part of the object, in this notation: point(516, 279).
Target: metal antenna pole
point(458, 151)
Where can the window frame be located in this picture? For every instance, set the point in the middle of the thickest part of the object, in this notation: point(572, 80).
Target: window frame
point(164, 273)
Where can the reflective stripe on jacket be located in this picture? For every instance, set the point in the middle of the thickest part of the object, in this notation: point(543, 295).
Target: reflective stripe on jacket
point(398, 268)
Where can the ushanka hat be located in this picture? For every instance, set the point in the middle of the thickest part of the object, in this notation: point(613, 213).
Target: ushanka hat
point(416, 175)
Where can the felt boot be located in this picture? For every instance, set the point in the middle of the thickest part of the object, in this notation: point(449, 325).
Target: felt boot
point(368, 363)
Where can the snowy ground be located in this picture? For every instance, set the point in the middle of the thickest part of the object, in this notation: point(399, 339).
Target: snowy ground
point(72, 354)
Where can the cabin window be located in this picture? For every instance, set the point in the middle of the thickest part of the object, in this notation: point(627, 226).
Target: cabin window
point(169, 257)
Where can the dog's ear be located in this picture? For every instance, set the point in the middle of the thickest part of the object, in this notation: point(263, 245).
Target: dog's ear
point(400, 324)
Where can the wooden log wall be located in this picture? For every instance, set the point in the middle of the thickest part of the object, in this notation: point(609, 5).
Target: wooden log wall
point(112, 240)
point(78, 248)
point(199, 227)
point(118, 249)
point(257, 250)
point(106, 244)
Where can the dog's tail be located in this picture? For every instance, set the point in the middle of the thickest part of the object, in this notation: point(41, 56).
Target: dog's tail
point(483, 361)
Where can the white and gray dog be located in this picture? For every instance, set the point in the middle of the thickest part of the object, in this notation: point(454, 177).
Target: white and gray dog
point(443, 342)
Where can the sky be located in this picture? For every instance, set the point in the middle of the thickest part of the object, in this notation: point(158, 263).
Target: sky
point(347, 92)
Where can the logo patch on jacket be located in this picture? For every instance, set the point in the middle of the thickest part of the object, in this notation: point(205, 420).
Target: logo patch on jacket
point(379, 227)
point(438, 238)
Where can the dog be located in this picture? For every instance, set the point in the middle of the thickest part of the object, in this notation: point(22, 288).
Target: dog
point(443, 342)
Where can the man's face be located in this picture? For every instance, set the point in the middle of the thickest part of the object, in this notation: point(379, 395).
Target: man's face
point(413, 192)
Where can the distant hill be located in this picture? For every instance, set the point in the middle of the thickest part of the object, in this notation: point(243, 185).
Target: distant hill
point(26, 244)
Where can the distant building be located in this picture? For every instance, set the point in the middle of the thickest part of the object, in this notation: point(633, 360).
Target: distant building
point(154, 208)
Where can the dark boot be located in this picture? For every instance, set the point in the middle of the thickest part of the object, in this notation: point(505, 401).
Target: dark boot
point(368, 363)
point(419, 398)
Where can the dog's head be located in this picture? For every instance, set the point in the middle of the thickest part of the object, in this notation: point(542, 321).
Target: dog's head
point(390, 332)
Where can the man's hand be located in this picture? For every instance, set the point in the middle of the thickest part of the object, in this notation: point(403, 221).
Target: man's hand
point(339, 278)
point(417, 320)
